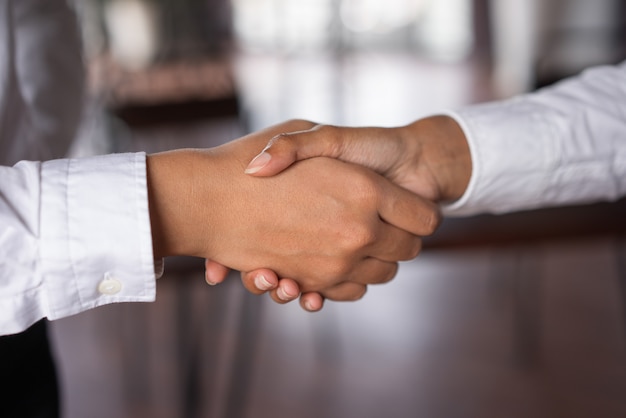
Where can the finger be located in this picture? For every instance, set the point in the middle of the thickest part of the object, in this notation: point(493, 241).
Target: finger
point(368, 270)
point(214, 272)
point(259, 281)
point(311, 301)
point(378, 149)
point(372, 271)
point(286, 291)
point(346, 291)
point(393, 244)
point(286, 148)
point(406, 210)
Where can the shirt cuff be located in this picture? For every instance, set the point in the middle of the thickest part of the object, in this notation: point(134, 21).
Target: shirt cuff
point(513, 152)
point(95, 238)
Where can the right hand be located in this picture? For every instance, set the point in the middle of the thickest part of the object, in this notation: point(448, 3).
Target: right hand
point(429, 157)
point(328, 225)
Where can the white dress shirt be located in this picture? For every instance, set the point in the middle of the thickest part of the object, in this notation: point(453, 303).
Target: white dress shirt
point(562, 145)
point(74, 234)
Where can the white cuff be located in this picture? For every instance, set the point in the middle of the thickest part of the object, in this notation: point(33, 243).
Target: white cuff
point(95, 238)
point(513, 150)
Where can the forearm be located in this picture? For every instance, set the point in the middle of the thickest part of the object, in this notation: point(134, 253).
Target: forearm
point(562, 145)
point(69, 226)
point(441, 150)
point(169, 194)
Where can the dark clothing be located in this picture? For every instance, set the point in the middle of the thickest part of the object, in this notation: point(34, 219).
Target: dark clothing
point(28, 378)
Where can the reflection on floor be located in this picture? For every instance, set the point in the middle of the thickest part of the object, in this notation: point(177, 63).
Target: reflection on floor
point(521, 331)
point(533, 328)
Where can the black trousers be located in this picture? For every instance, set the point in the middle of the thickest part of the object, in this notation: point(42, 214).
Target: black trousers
point(28, 378)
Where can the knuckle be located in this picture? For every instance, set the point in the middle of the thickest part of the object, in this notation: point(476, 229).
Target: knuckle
point(360, 236)
point(331, 138)
point(358, 293)
point(288, 138)
point(415, 249)
point(363, 190)
point(279, 140)
point(337, 270)
point(389, 274)
point(326, 129)
point(431, 221)
point(300, 124)
point(352, 235)
point(382, 274)
point(346, 291)
point(352, 243)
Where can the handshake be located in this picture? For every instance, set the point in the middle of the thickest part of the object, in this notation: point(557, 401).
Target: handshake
point(320, 213)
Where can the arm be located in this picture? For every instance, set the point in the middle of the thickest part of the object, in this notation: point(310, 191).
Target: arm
point(561, 145)
point(71, 229)
point(77, 232)
point(429, 157)
point(314, 221)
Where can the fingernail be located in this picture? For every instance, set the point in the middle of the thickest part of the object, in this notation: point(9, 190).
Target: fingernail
point(282, 295)
point(258, 163)
point(208, 280)
point(308, 306)
point(262, 283)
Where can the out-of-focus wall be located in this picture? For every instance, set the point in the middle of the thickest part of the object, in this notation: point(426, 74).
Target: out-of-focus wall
point(138, 33)
point(536, 42)
point(439, 29)
point(576, 34)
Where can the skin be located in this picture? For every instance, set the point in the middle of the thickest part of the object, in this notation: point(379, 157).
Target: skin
point(330, 226)
point(429, 157)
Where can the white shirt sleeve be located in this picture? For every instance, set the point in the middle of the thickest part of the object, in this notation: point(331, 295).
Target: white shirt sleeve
point(74, 234)
point(564, 144)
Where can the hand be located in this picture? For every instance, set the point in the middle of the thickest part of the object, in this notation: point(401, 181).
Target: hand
point(264, 280)
point(326, 224)
point(429, 157)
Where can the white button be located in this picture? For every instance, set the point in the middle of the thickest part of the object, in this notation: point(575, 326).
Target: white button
point(109, 286)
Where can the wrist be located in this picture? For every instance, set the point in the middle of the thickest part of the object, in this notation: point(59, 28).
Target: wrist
point(171, 187)
point(445, 154)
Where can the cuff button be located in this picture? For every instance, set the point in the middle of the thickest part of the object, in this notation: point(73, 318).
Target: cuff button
point(109, 286)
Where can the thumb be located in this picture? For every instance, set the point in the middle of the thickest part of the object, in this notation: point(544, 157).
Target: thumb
point(287, 148)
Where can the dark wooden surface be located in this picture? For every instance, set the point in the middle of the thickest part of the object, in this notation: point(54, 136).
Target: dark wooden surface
point(517, 330)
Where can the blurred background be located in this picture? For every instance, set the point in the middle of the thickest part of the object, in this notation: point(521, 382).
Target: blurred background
point(521, 315)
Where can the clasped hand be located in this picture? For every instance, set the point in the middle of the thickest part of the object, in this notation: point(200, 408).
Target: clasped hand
point(324, 227)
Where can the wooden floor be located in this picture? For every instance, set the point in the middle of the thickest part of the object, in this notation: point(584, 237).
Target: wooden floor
point(520, 331)
point(495, 319)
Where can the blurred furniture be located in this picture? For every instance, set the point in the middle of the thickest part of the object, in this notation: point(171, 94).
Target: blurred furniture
point(535, 43)
point(173, 92)
point(161, 61)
